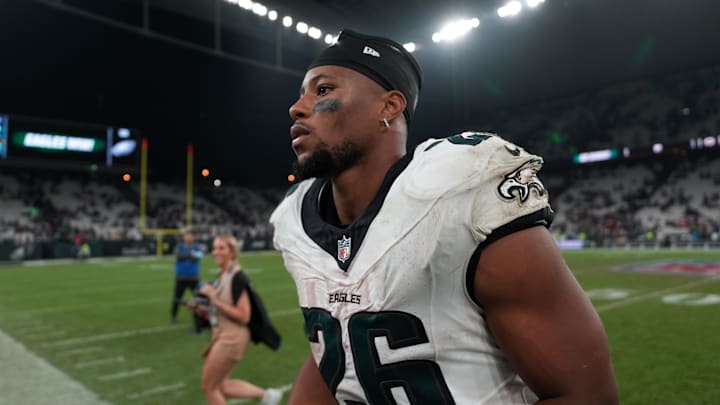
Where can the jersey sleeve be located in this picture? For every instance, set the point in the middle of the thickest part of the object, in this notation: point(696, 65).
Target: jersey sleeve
point(509, 196)
point(493, 183)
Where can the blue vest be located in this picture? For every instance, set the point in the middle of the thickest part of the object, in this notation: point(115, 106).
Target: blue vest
point(187, 264)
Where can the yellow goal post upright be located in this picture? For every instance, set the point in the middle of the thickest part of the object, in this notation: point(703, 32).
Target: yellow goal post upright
point(160, 232)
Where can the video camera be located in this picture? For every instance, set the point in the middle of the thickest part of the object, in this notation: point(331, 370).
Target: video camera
point(199, 305)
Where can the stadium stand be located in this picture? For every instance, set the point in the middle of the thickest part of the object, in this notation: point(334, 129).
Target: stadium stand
point(40, 208)
point(642, 204)
point(662, 200)
point(676, 107)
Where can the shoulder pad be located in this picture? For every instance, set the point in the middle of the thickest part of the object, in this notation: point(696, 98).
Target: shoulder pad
point(461, 162)
point(293, 200)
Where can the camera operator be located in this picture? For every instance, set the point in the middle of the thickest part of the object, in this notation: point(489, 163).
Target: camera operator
point(187, 272)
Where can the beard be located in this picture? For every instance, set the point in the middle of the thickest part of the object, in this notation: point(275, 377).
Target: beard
point(328, 161)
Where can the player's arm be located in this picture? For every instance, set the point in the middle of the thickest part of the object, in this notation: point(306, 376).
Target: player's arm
point(543, 321)
point(309, 386)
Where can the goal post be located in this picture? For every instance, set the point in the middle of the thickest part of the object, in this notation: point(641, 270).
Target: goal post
point(161, 232)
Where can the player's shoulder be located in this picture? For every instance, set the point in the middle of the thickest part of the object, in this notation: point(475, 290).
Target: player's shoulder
point(292, 200)
point(463, 161)
point(467, 146)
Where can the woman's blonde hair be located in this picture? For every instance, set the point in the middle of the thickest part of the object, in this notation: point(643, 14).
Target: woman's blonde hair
point(231, 242)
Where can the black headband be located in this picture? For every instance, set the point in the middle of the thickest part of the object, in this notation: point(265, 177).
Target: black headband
point(382, 60)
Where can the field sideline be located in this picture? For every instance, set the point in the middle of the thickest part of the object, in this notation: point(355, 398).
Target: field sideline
point(105, 325)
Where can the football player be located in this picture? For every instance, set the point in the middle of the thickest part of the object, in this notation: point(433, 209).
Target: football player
point(426, 277)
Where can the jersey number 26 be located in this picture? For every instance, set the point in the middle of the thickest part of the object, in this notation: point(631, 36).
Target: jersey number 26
point(421, 380)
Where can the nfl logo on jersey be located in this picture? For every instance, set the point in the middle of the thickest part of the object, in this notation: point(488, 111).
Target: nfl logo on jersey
point(344, 246)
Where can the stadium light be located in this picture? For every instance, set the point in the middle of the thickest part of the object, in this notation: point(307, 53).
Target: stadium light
point(259, 9)
point(455, 30)
point(510, 9)
point(126, 177)
point(301, 27)
point(217, 183)
point(291, 178)
point(449, 32)
point(314, 33)
point(205, 172)
point(534, 3)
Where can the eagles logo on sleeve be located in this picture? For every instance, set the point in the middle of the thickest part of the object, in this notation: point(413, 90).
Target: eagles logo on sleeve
point(521, 181)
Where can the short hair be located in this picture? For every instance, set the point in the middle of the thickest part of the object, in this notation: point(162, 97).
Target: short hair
point(232, 243)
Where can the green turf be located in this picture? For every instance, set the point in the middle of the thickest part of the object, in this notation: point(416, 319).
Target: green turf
point(73, 315)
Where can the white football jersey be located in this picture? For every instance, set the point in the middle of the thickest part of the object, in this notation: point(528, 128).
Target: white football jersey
point(388, 300)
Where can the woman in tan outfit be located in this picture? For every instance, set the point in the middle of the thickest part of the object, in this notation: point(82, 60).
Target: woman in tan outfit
point(230, 313)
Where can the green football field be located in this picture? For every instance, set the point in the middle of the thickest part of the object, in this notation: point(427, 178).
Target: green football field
point(105, 324)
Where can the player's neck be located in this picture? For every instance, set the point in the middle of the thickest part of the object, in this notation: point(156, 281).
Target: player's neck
point(355, 188)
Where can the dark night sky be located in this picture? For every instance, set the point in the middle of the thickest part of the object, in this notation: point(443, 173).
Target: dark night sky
point(60, 65)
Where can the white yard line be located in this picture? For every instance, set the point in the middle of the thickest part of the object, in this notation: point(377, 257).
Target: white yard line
point(56, 309)
point(111, 336)
point(285, 312)
point(37, 327)
point(53, 334)
point(643, 297)
point(100, 362)
point(122, 259)
point(157, 390)
point(701, 383)
point(81, 290)
point(125, 374)
point(130, 288)
point(145, 331)
point(260, 253)
point(25, 323)
point(26, 378)
point(113, 260)
point(51, 310)
point(82, 350)
point(94, 260)
point(158, 267)
point(41, 263)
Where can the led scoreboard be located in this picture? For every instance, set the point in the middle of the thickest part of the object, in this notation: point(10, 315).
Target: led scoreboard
point(29, 140)
point(3, 136)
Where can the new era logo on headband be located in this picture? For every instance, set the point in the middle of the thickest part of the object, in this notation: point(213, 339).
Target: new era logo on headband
point(369, 51)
